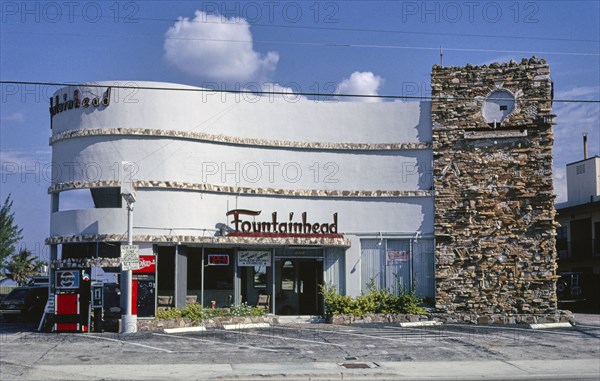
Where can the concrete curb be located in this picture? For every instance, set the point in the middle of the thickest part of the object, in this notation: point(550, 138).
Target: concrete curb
point(426, 370)
point(185, 329)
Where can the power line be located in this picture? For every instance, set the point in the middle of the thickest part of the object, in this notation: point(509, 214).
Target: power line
point(308, 43)
point(224, 21)
point(334, 29)
point(262, 92)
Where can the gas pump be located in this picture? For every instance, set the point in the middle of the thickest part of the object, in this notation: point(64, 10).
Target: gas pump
point(72, 300)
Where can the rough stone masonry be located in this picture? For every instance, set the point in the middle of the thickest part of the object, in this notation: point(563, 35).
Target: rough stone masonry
point(494, 200)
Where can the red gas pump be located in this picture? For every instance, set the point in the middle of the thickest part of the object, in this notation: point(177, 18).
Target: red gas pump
point(72, 300)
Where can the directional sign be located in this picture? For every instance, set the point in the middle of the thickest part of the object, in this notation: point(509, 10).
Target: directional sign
point(130, 257)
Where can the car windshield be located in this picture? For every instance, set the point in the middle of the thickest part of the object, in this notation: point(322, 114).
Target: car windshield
point(19, 293)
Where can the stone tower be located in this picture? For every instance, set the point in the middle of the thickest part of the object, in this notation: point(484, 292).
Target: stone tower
point(494, 200)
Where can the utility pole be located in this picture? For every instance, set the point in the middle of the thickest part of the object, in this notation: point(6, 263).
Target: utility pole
point(128, 320)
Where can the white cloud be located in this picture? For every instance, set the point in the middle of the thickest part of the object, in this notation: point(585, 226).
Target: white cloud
point(364, 82)
point(187, 48)
point(18, 117)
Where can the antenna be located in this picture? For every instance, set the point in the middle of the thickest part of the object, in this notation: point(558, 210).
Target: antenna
point(441, 57)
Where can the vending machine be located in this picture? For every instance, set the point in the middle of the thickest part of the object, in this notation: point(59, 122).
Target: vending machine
point(144, 287)
point(72, 300)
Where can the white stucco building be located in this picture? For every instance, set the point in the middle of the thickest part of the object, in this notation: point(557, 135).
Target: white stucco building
point(200, 160)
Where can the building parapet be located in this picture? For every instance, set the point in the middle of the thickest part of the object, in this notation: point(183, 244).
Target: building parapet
point(213, 188)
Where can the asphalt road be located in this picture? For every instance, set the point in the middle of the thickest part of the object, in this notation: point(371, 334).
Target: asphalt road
point(308, 351)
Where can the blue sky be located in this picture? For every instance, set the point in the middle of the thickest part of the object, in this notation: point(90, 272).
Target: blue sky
point(366, 47)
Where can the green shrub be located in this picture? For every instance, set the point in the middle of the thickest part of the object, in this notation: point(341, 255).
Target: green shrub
point(197, 313)
point(169, 313)
point(410, 302)
point(245, 310)
point(336, 304)
point(376, 301)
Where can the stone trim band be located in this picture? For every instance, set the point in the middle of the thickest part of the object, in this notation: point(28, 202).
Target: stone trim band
point(222, 139)
point(212, 188)
point(188, 239)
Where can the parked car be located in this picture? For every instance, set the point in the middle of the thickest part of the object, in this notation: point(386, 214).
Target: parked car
point(24, 303)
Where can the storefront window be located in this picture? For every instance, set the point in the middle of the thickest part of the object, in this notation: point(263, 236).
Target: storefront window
point(218, 278)
point(393, 264)
point(260, 276)
point(166, 275)
point(219, 272)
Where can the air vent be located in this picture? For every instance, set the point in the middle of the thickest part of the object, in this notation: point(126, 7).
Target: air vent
point(580, 169)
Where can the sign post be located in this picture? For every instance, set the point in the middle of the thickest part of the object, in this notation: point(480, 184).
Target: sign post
point(130, 257)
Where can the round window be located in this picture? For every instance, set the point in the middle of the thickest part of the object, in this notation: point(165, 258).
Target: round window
point(497, 106)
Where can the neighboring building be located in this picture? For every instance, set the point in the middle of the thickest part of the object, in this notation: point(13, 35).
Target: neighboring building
point(578, 237)
point(240, 195)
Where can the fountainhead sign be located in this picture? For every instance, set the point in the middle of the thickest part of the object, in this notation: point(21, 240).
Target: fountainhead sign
point(276, 227)
point(58, 105)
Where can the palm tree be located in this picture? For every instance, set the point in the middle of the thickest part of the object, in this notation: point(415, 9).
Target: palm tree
point(22, 267)
point(10, 233)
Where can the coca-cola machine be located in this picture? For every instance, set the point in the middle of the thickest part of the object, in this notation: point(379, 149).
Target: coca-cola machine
point(144, 287)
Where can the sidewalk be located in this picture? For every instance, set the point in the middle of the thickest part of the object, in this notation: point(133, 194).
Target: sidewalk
point(584, 369)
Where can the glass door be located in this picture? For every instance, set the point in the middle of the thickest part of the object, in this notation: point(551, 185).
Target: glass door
point(297, 284)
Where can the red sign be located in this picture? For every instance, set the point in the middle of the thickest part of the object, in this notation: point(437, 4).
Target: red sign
point(147, 265)
point(398, 255)
point(67, 304)
point(218, 259)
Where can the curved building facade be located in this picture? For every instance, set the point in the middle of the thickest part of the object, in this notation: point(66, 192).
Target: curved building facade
point(316, 185)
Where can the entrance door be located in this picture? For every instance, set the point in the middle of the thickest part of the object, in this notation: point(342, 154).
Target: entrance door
point(297, 286)
point(310, 276)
